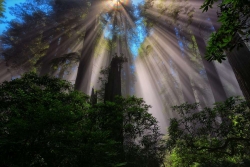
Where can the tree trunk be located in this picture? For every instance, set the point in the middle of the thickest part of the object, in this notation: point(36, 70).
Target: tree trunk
point(240, 63)
point(83, 77)
point(179, 60)
point(183, 68)
point(213, 77)
point(212, 74)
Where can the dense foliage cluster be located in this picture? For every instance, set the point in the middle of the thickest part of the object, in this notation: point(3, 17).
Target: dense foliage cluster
point(218, 136)
point(44, 122)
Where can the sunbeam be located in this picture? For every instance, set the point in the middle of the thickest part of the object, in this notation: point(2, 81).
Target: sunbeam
point(164, 43)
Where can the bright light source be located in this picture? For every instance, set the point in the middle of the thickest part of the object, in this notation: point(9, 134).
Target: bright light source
point(115, 2)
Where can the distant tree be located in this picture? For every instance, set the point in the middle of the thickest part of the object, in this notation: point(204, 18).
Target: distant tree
point(23, 44)
point(218, 136)
point(40, 31)
point(65, 30)
point(233, 33)
point(234, 18)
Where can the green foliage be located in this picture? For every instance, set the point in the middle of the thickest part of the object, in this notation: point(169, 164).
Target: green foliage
point(145, 49)
point(217, 136)
point(2, 9)
point(22, 48)
point(174, 10)
point(44, 122)
point(103, 79)
point(234, 18)
point(129, 122)
point(66, 61)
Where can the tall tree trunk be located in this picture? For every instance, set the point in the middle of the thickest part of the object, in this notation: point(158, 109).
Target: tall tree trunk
point(184, 72)
point(180, 61)
point(212, 74)
point(240, 62)
point(83, 77)
point(51, 53)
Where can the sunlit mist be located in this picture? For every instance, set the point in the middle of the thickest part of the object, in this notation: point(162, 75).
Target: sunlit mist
point(164, 46)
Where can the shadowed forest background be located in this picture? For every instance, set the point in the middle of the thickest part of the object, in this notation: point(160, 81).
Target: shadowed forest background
point(78, 77)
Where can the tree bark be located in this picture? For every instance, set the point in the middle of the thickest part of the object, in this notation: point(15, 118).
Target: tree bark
point(83, 77)
point(213, 76)
point(240, 63)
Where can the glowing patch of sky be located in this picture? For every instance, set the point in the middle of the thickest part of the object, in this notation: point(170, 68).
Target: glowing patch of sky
point(136, 2)
point(139, 35)
point(8, 3)
point(140, 32)
point(137, 38)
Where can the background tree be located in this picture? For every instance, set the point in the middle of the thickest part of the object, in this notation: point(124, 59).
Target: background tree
point(41, 31)
point(66, 32)
point(231, 39)
point(193, 26)
point(24, 43)
point(185, 51)
point(217, 136)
